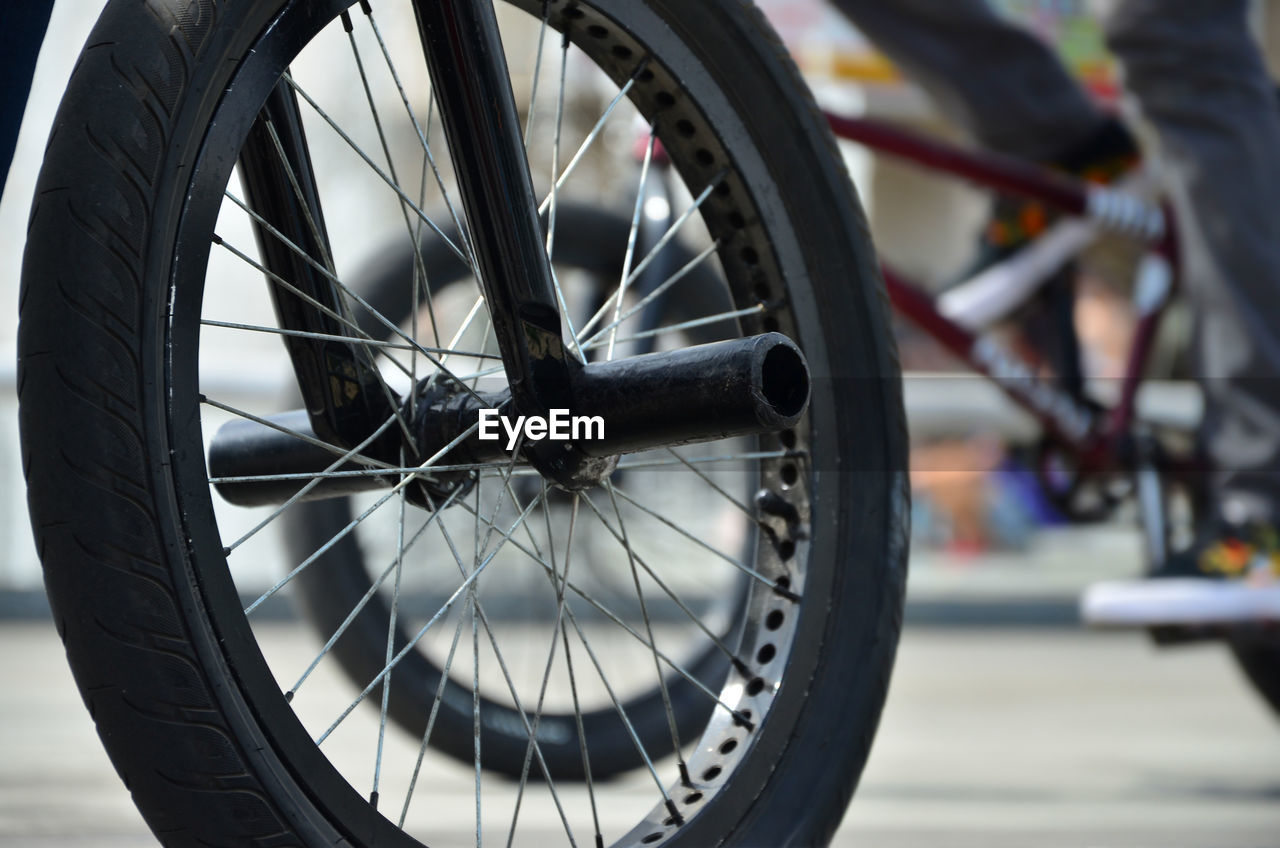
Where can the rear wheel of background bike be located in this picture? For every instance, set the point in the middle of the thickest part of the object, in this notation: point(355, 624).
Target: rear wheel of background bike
point(592, 243)
point(1259, 658)
point(211, 714)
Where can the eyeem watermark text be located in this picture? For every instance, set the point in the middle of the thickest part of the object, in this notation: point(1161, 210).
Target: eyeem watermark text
point(560, 426)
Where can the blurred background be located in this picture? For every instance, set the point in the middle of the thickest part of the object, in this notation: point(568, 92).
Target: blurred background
point(1007, 725)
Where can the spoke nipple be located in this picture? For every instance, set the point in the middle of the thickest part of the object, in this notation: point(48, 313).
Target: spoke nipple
point(741, 667)
point(675, 813)
point(288, 697)
point(742, 721)
point(364, 7)
point(346, 22)
point(685, 779)
point(599, 841)
point(217, 239)
point(373, 799)
point(786, 593)
point(771, 503)
point(226, 552)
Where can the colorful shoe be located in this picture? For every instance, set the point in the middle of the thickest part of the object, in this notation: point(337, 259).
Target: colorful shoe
point(1232, 578)
point(1102, 158)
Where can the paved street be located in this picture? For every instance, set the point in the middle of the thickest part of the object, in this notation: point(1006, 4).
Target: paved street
point(1008, 737)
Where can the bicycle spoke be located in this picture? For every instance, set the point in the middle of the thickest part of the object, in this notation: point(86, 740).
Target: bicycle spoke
point(391, 636)
point(372, 472)
point(478, 608)
point(631, 241)
point(298, 193)
point(435, 710)
point(555, 192)
point(378, 316)
point(361, 335)
point(658, 291)
point(419, 270)
point(537, 72)
point(612, 616)
point(745, 569)
point(371, 343)
point(582, 734)
point(426, 219)
point(364, 601)
point(301, 493)
point(626, 720)
point(475, 699)
point(648, 626)
point(551, 655)
point(426, 466)
point(422, 134)
point(329, 265)
point(746, 510)
point(448, 604)
point(709, 460)
point(311, 440)
point(689, 325)
point(592, 135)
point(558, 585)
point(501, 493)
point(693, 617)
point(671, 233)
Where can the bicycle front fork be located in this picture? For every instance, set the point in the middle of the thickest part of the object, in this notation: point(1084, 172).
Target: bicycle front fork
point(738, 387)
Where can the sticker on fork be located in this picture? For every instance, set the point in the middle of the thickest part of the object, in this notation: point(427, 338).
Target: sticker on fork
point(559, 426)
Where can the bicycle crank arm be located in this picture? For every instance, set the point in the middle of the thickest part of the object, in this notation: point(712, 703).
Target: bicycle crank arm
point(739, 387)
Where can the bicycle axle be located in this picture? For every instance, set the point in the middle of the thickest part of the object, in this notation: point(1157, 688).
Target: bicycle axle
point(739, 387)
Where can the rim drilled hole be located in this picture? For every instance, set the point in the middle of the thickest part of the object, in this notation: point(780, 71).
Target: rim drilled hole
point(766, 654)
point(774, 619)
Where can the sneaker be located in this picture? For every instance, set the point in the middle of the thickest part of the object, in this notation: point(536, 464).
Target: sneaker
point(1103, 157)
point(1228, 579)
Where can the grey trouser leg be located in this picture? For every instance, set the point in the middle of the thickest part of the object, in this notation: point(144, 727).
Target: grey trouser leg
point(998, 81)
point(1201, 81)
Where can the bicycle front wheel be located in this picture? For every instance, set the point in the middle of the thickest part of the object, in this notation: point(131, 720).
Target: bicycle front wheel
point(142, 301)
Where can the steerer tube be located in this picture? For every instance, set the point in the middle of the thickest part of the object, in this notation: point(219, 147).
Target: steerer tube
point(738, 387)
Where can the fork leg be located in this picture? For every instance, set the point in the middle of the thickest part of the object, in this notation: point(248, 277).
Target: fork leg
point(469, 72)
point(338, 381)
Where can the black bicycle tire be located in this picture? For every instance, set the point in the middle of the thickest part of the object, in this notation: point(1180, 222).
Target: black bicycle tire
point(134, 607)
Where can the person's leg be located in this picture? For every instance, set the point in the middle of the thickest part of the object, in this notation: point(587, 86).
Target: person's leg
point(22, 27)
point(1200, 79)
point(992, 77)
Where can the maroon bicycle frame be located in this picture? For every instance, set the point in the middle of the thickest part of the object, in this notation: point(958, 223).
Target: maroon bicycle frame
point(1101, 446)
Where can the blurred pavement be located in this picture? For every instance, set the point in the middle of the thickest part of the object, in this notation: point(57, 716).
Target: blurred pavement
point(992, 738)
